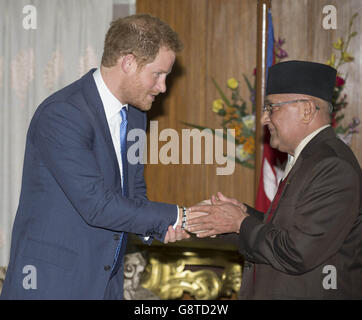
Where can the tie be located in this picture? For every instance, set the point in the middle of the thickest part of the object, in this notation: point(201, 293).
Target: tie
point(123, 135)
point(123, 138)
point(277, 197)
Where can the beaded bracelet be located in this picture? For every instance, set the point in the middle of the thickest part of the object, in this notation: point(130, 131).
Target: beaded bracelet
point(184, 218)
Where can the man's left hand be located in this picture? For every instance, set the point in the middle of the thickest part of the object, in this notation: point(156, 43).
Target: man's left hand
point(223, 217)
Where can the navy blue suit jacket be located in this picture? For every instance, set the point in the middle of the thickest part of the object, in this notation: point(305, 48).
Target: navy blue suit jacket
point(71, 211)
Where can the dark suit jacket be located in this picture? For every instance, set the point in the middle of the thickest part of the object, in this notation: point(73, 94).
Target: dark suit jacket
point(71, 212)
point(315, 233)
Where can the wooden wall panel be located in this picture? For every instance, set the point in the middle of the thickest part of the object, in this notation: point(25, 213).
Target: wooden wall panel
point(220, 41)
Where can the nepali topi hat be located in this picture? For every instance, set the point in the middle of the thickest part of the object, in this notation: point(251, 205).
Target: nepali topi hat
point(302, 77)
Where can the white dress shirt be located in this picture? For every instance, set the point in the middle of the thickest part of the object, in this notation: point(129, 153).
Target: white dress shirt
point(112, 107)
point(299, 148)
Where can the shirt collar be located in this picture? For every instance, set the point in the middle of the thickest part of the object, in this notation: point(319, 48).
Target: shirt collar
point(111, 104)
point(305, 141)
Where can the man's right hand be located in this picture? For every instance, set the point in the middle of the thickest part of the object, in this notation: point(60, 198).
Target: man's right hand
point(220, 198)
point(177, 234)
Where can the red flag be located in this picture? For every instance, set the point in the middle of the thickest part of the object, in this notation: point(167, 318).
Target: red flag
point(272, 159)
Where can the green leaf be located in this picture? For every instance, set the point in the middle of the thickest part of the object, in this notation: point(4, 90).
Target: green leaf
point(339, 118)
point(202, 128)
point(340, 130)
point(195, 126)
point(251, 88)
point(222, 112)
point(223, 97)
point(243, 108)
point(248, 132)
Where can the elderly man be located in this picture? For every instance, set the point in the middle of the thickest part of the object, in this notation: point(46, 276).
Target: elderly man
point(309, 243)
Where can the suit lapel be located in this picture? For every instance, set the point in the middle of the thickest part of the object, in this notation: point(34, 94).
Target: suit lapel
point(325, 134)
point(96, 106)
point(131, 125)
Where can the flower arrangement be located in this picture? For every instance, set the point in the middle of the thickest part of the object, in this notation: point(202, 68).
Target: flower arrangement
point(235, 113)
point(235, 116)
point(339, 101)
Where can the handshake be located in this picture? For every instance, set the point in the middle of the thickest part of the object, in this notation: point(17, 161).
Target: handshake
point(209, 218)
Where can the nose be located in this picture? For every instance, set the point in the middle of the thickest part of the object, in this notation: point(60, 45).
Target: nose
point(161, 85)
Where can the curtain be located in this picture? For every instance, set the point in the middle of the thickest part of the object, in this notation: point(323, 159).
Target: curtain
point(44, 45)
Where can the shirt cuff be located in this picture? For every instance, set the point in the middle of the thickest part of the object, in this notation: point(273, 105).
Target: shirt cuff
point(178, 218)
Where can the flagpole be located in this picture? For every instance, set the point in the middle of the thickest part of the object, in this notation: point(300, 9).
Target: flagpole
point(262, 36)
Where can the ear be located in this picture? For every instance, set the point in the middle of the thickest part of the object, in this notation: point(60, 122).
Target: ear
point(128, 63)
point(308, 111)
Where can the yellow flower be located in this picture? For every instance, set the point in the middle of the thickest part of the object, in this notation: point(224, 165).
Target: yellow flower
point(233, 83)
point(217, 105)
point(339, 44)
point(332, 60)
point(347, 57)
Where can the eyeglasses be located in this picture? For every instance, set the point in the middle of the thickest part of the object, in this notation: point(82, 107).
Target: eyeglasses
point(269, 106)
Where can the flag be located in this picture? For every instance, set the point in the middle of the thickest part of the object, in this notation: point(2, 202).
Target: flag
point(272, 159)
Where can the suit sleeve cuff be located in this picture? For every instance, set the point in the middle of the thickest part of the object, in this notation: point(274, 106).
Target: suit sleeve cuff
point(253, 212)
point(146, 239)
point(246, 233)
